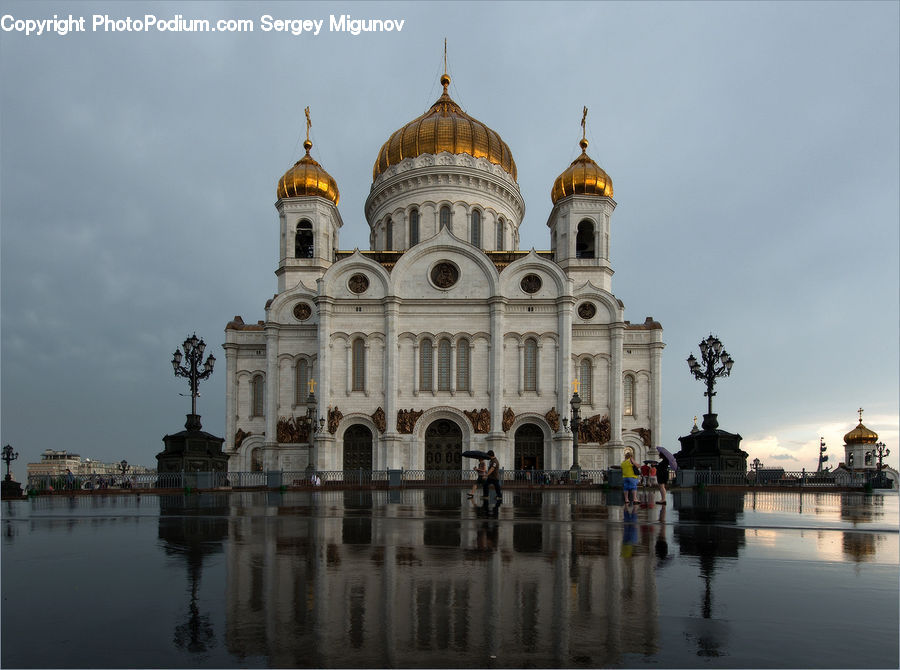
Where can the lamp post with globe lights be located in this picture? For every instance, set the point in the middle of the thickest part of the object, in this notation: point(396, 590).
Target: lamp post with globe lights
point(193, 353)
point(9, 455)
point(10, 489)
point(879, 451)
point(716, 363)
point(575, 404)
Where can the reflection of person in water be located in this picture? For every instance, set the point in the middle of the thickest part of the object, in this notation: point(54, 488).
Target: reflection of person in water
point(629, 532)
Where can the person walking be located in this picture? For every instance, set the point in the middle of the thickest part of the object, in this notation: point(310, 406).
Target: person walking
point(662, 478)
point(630, 470)
point(492, 477)
point(480, 471)
point(645, 474)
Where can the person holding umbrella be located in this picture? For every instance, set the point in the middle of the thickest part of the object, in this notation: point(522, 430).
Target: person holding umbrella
point(480, 471)
point(662, 472)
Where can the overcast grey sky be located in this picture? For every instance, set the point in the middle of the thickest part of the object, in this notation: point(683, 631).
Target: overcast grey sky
point(754, 149)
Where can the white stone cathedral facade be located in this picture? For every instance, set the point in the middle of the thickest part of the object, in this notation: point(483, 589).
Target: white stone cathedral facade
point(444, 336)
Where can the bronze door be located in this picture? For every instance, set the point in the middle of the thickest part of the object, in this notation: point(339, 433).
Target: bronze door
point(358, 448)
point(529, 448)
point(443, 446)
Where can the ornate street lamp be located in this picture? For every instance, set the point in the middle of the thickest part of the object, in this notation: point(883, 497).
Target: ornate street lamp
point(756, 464)
point(575, 404)
point(123, 466)
point(9, 455)
point(193, 351)
point(716, 363)
point(879, 451)
point(823, 457)
point(314, 427)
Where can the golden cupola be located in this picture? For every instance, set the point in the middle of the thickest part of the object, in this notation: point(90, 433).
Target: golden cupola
point(582, 177)
point(444, 127)
point(861, 435)
point(308, 178)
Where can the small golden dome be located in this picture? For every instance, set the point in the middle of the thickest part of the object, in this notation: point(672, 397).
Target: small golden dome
point(444, 127)
point(861, 435)
point(583, 177)
point(308, 178)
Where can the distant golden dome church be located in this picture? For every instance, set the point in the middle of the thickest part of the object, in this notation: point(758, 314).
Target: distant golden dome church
point(444, 336)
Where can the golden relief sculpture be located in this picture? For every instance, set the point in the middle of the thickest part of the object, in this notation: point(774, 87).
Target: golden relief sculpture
point(334, 419)
point(645, 435)
point(239, 437)
point(480, 418)
point(292, 431)
point(594, 429)
point(553, 419)
point(508, 418)
point(379, 419)
point(406, 420)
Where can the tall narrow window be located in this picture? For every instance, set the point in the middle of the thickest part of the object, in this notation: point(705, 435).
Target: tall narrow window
point(426, 354)
point(500, 235)
point(444, 365)
point(303, 240)
point(445, 217)
point(413, 227)
point(530, 365)
point(389, 234)
point(359, 365)
point(584, 387)
point(628, 395)
point(476, 227)
point(462, 366)
point(584, 240)
point(301, 382)
point(257, 396)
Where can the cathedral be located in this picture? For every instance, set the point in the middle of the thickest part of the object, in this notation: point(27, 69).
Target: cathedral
point(444, 336)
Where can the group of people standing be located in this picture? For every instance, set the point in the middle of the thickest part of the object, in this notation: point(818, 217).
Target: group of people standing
point(648, 474)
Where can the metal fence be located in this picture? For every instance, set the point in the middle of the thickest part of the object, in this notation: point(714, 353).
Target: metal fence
point(777, 478)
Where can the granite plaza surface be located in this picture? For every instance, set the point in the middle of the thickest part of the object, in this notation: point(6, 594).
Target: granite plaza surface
point(430, 578)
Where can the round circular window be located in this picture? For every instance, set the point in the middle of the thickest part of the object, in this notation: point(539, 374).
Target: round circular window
point(302, 311)
point(358, 283)
point(531, 283)
point(587, 310)
point(444, 275)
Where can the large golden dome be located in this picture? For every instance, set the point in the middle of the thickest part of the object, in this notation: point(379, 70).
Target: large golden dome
point(444, 127)
point(308, 178)
point(582, 177)
point(861, 435)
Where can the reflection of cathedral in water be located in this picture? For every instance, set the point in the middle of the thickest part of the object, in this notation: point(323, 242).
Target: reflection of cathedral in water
point(349, 579)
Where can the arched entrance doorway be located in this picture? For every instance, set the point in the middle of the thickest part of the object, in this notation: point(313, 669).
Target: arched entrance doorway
point(358, 448)
point(529, 448)
point(443, 446)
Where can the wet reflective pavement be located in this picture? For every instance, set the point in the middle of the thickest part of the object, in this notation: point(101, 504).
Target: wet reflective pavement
point(428, 579)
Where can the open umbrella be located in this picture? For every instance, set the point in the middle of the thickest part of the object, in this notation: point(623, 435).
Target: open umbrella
point(474, 453)
point(673, 464)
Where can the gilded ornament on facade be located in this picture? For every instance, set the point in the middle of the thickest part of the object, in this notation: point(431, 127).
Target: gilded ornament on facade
point(553, 419)
point(644, 434)
point(292, 431)
point(480, 418)
point(531, 283)
point(334, 419)
point(406, 420)
point(509, 418)
point(302, 311)
point(239, 436)
point(594, 429)
point(587, 310)
point(444, 275)
point(358, 283)
point(379, 419)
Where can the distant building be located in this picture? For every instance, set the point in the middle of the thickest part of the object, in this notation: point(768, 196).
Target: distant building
point(56, 462)
point(859, 456)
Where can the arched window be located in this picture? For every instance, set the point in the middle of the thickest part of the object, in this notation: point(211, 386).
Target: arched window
point(413, 227)
point(585, 375)
point(445, 217)
point(257, 396)
point(388, 234)
point(500, 235)
point(531, 365)
point(584, 240)
point(359, 365)
point(444, 365)
point(476, 227)
point(462, 366)
point(303, 240)
point(426, 357)
point(301, 382)
point(628, 395)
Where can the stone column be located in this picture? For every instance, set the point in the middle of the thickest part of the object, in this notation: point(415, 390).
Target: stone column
point(324, 439)
point(390, 440)
point(496, 376)
point(655, 394)
point(564, 307)
point(617, 339)
point(230, 399)
point(272, 387)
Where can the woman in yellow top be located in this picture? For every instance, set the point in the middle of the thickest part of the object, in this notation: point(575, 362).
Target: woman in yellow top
point(630, 470)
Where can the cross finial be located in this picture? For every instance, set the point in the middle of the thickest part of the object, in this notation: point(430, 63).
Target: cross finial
point(312, 386)
point(445, 55)
point(575, 385)
point(583, 125)
point(308, 122)
point(860, 410)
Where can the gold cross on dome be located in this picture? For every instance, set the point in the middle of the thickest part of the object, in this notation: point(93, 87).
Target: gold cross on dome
point(583, 126)
point(312, 386)
point(308, 122)
point(575, 385)
point(860, 410)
